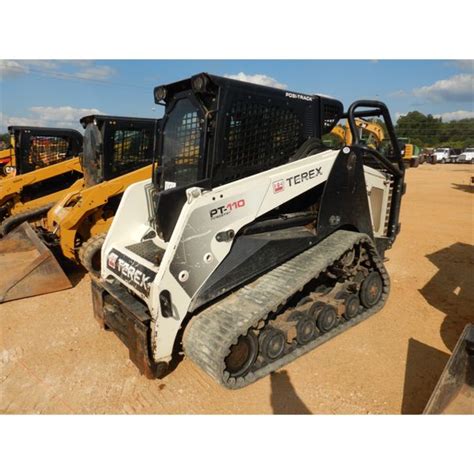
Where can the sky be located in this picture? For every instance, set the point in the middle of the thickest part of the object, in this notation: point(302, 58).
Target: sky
point(57, 93)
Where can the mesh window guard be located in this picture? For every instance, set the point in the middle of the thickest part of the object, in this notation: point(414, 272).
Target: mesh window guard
point(45, 151)
point(260, 135)
point(132, 150)
point(182, 144)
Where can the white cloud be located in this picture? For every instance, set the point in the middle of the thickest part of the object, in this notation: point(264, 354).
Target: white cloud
point(98, 73)
point(457, 115)
point(82, 69)
point(465, 64)
point(457, 88)
point(261, 79)
point(9, 68)
point(399, 93)
point(44, 64)
point(41, 116)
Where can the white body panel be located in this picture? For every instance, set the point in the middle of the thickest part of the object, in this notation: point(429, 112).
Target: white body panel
point(203, 216)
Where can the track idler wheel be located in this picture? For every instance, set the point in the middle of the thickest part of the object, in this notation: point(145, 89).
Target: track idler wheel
point(351, 306)
point(371, 290)
point(272, 343)
point(327, 318)
point(242, 355)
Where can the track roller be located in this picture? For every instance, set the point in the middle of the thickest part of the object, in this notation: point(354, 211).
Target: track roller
point(272, 343)
point(306, 329)
point(351, 306)
point(371, 290)
point(327, 318)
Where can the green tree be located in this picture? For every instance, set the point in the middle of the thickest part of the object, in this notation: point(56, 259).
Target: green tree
point(428, 131)
point(422, 130)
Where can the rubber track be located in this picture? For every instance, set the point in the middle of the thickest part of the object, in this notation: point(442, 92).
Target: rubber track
point(14, 221)
point(209, 335)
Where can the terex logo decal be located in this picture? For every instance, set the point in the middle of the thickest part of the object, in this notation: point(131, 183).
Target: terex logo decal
point(130, 271)
point(278, 186)
point(304, 176)
point(225, 210)
point(112, 260)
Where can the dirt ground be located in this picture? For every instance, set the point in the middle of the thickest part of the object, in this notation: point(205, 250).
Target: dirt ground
point(55, 359)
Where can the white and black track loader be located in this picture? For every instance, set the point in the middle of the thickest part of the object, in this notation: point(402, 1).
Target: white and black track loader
point(252, 243)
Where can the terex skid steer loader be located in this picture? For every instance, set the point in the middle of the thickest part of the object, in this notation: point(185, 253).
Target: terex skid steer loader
point(118, 151)
point(42, 163)
point(252, 244)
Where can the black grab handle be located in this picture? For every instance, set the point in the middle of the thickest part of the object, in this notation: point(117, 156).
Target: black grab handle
point(377, 109)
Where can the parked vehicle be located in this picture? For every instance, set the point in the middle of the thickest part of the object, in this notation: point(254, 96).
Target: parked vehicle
point(444, 155)
point(467, 156)
point(410, 152)
point(426, 155)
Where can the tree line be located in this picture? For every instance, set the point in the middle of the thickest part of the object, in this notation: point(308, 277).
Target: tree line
point(422, 130)
point(428, 131)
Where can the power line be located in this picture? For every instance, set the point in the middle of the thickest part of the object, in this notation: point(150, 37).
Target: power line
point(71, 77)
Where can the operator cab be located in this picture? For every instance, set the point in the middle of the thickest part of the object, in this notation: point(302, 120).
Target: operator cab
point(37, 147)
point(217, 130)
point(114, 146)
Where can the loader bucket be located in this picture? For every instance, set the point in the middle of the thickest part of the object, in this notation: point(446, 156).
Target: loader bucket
point(454, 393)
point(27, 267)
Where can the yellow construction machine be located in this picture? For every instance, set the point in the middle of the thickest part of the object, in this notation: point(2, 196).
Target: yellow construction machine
point(118, 151)
point(33, 148)
point(375, 131)
point(40, 164)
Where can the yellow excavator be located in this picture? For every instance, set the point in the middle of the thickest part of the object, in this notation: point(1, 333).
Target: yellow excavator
point(39, 165)
point(118, 151)
point(375, 131)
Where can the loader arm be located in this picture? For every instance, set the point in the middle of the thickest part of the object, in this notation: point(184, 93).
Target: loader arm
point(68, 216)
point(5, 156)
point(12, 187)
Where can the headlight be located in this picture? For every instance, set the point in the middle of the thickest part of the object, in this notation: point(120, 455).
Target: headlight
point(200, 83)
point(160, 94)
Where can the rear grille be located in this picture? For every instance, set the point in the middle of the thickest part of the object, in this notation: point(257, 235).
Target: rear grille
point(331, 113)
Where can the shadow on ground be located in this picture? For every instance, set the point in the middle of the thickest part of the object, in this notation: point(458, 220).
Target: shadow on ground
point(423, 370)
point(451, 289)
point(76, 275)
point(284, 399)
point(468, 188)
point(74, 272)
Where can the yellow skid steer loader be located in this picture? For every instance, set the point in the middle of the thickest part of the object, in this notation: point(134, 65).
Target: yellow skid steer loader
point(118, 151)
point(41, 164)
